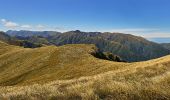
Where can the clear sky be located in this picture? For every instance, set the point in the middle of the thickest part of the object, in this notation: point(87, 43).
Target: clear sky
point(148, 18)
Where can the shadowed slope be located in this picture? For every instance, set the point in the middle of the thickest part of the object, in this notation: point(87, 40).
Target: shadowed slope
point(13, 41)
point(166, 45)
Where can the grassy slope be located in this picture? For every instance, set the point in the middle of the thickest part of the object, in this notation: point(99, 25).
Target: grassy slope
point(22, 66)
point(149, 80)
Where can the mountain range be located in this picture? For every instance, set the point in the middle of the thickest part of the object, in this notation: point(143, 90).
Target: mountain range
point(24, 33)
point(129, 47)
point(14, 41)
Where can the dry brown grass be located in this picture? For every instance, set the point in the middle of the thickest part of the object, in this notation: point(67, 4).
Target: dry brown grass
point(79, 76)
point(21, 66)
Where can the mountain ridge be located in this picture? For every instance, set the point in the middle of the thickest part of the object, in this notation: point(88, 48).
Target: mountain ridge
point(129, 47)
point(14, 41)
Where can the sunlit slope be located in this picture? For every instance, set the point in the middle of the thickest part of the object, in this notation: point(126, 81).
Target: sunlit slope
point(148, 80)
point(25, 66)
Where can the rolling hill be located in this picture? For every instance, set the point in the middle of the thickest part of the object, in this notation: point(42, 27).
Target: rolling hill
point(71, 72)
point(24, 65)
point(129, 47)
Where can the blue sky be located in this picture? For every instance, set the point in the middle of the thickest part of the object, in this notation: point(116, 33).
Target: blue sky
point(148, 18)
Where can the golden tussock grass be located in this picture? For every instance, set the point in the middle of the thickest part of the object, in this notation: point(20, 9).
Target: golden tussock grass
point(70, 72)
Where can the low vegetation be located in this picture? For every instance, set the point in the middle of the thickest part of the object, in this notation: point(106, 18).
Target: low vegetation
point(71, 72)
point(24, 65)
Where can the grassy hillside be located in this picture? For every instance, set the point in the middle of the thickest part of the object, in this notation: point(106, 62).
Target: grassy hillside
point(21, 66)
point(71, 72)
